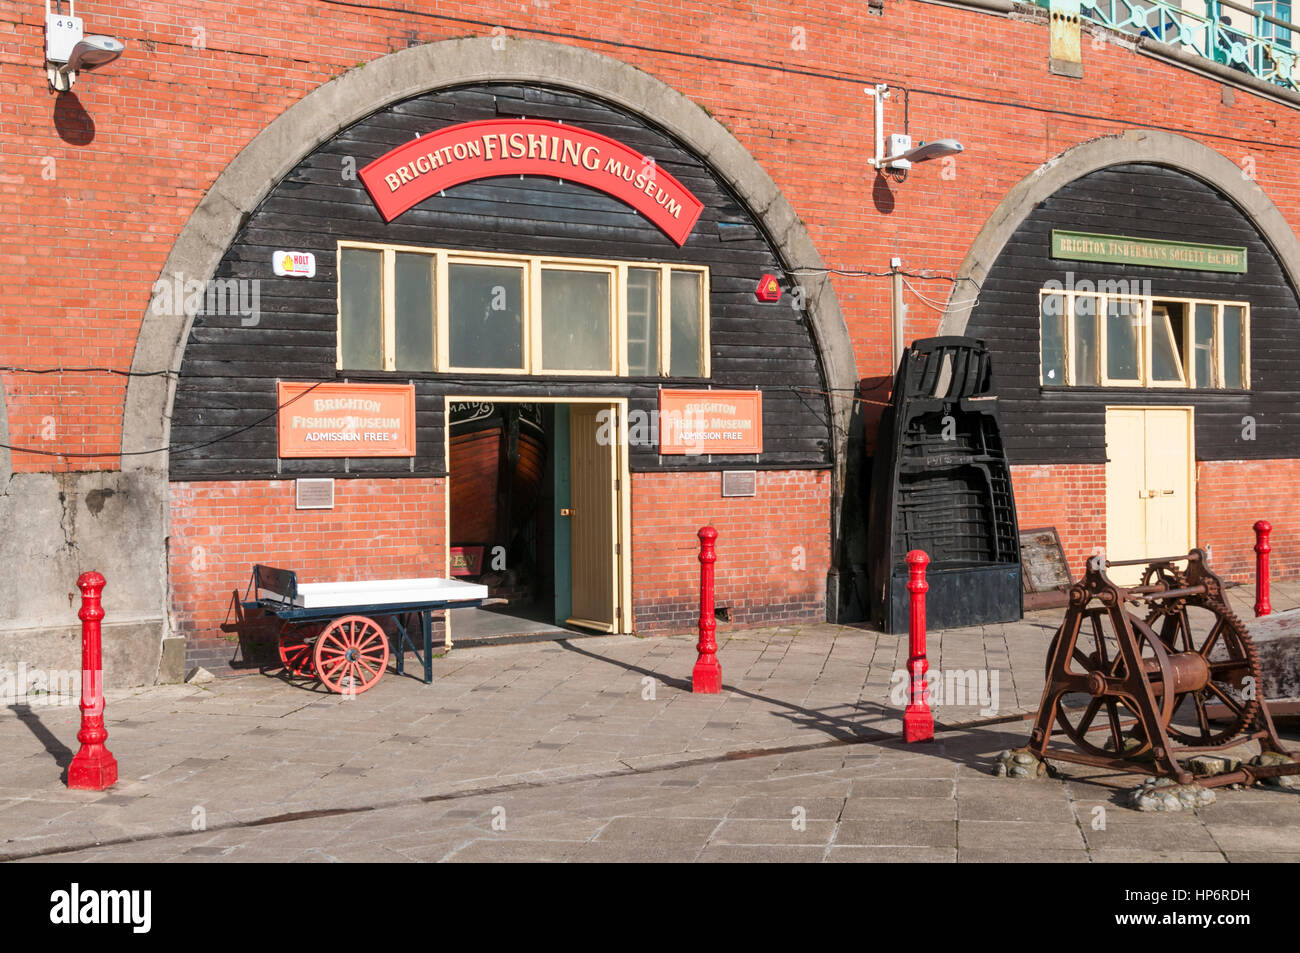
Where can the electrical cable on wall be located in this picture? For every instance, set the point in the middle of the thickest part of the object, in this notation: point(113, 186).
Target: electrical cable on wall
point(144, 453)
point(934, 303)
point(926, 274)
point(84, 370)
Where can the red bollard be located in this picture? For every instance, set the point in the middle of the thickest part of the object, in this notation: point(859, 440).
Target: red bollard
point(706, 677)
point(918, 722)
point(94, 768)
point(1262, 530)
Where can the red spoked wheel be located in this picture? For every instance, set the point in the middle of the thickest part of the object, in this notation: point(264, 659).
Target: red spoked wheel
point(295, 644)
point(351, 655)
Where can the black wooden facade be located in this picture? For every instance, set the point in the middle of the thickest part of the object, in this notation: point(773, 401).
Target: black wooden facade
point(1045, 425)
point(224, 426)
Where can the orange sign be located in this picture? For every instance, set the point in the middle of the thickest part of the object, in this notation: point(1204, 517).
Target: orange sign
point(423, 167)
point(346, 420)
point(710, 421)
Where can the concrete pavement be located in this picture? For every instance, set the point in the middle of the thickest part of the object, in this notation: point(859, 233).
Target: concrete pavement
point(596, 749)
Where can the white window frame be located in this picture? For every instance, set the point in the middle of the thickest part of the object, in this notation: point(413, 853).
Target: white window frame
point(1143, 329)
point(1149, 342)
point(616, 315)
point(666, 318)
point(1245, 344)
point(532, 266)
point(1145, 305)
point(527, 312)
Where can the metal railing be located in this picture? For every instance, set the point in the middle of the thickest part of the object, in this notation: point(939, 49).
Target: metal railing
point(1263, 49)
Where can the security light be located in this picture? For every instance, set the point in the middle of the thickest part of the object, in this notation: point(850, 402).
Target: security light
point(69, 51)
point(933, 150)
point(900, 153)
point(93, 52)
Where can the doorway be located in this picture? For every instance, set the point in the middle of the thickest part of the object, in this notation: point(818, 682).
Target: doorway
point(1150, 485)
point(537, 510)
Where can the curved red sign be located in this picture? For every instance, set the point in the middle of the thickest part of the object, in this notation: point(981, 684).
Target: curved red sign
point(412, 172)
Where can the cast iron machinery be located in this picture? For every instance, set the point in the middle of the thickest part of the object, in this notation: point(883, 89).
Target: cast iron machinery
point(1139, 689)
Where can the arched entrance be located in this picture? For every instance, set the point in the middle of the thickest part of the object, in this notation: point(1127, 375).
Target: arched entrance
point(1130, 293)
point(1135, 145)
point(394, 78)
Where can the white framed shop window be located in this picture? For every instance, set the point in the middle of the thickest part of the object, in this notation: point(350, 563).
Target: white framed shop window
point(1089, 339)
point(406, 308)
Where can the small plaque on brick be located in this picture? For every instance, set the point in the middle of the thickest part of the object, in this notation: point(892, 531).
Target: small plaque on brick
point(317, 494)
point(739, 482)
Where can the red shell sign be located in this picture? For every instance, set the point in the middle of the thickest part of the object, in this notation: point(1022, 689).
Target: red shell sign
point(425, 166)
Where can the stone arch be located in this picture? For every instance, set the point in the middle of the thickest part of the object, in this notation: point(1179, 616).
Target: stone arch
point(6, 458)
point(1134, 145)
point(337, 104)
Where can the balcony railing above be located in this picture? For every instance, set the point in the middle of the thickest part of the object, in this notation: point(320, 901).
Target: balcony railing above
point(1261, 49)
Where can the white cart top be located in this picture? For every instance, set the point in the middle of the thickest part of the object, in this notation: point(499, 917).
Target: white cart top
point(378, 592)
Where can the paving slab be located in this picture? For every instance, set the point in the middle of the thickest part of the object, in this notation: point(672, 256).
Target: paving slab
point(588, 767)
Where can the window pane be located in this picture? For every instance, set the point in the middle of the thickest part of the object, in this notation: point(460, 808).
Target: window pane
point(1087, 369)
point(1053, 339)
point(643, 321)
point(414, 332)
point(685, 336)
point(1203, 346)
point(1234, 326)
point(361, 308)
point(1165, 363)
point(487, 316)
point(1280, 11)
point(576, 320)
point(1122, 339)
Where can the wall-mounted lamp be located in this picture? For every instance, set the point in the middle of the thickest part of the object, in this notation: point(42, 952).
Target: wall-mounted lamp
point(69, 51)
point(898, 154)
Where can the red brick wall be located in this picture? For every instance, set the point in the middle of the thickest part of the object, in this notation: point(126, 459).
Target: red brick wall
point(773, 548)
point(1230, 497)
point(378, 529)
point(1071, 498)
point(98, 185)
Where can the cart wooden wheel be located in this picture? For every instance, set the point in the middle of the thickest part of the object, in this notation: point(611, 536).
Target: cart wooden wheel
point(351, 655)
point(295, 645)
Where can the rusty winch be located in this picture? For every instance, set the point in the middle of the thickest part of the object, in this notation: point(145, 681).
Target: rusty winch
point(1140, 690)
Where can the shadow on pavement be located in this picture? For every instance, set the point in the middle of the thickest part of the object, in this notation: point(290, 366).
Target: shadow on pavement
point(840, 727)
point(53, 746)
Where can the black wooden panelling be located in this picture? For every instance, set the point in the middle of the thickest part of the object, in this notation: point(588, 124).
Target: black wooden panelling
point(1059, 425)
point(228, 376)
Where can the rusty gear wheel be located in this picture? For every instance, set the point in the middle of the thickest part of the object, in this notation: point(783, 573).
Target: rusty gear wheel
point(1212, 630)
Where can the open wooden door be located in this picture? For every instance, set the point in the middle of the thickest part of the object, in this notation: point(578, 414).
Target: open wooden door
point(594, 516)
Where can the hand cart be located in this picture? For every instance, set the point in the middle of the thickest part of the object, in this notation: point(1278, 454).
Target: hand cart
point(329, 632)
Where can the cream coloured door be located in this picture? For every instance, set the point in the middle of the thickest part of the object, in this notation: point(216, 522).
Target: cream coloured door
point(593, 474)
point(1169, 481)
point(1149, 485)
point(1125, 480)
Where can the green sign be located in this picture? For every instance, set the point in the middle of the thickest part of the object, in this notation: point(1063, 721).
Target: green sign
point(1126, 250)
